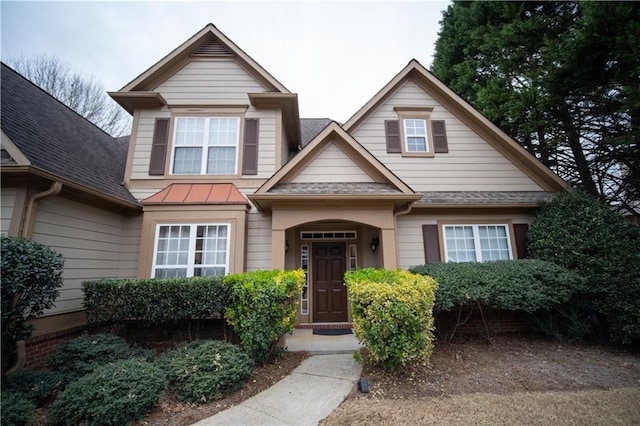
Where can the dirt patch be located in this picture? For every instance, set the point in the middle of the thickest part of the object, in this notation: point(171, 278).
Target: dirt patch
point(173, 413)
point(512, 367)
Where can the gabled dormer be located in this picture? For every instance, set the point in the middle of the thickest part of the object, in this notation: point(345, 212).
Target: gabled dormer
point(207, 111)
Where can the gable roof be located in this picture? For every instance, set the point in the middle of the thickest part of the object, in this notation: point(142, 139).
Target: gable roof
point(209, 41)
point(310, 127)
point(57, 141)
point(386, 186)
point(499, 140)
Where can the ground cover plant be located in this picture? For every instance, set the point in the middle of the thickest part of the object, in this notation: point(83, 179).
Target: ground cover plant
point(206, 370)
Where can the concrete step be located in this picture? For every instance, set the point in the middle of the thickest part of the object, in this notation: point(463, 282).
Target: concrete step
point(305, 340)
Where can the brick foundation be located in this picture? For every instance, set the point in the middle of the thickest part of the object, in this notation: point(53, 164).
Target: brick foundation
point(39, 348)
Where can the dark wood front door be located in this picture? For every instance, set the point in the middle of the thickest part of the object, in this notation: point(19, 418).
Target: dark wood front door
point(329, 291)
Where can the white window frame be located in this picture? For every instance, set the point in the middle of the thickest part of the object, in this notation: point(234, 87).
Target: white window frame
point(424, 135)
point(191, 254)
point(205, 144)
point(476, 238)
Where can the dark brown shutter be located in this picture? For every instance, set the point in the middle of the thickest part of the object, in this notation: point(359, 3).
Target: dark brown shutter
point(440, 144)
point(250, 147)
point(520, 231)
point(392, 131)
point(431, 243)
point(159, 147)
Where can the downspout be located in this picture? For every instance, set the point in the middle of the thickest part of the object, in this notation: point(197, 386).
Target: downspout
point(406, 210)
point(27, 225)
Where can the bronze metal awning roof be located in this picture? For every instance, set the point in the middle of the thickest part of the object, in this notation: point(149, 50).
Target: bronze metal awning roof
point(197, 193)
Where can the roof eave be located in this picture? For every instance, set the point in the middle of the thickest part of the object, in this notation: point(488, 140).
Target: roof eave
point(143, 99)
point(264, 201)
point(288, 102)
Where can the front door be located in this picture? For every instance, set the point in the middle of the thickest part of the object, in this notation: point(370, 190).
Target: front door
point(329, 291)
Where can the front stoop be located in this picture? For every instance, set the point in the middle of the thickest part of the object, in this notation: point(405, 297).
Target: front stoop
point(303, 339)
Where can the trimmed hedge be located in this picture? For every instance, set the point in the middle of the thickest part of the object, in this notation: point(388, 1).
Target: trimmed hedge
point(263, 307)
point(392, 314)
point(154, 301)
point(205, 371)
point(37, 385)
point(114, 394)
point(17, 409)
point(513, 285)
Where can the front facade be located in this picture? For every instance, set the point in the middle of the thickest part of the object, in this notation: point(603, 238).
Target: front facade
point(225, 177)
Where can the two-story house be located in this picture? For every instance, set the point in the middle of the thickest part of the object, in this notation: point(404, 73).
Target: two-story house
point(222, 176)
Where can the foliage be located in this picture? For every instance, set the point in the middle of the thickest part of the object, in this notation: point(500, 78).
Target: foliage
point(114, 394)
point(17, 409)
point(579, 233)
point(37, 385)
point(392, 314)
point(154, 301)
point(513, 285)
point(263, 307)
point(558, 77)
point(205, 371)
point(31, 277)
point(76, 357)
point(83, 94)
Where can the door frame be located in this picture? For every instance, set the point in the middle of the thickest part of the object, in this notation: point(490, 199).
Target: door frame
point(313, 278)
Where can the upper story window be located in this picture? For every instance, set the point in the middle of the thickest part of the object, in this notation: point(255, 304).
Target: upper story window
point(206, 145)
point(476, 243)
point(415, 135)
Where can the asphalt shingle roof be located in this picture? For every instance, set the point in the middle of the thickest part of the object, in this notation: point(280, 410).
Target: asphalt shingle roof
point(56, 139)
point(485, 197)
point(335, 188)
point(310, 127)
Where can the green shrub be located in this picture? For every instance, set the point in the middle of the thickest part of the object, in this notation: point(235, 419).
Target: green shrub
point(77, 357)
point(17, 409)
point(154, 301)
point(580, 233)
point(263, 307)
point(37, 385)
point(513, 285)
point(31, 277)
point(113, 394)
point(205, 371)
point(392, 314)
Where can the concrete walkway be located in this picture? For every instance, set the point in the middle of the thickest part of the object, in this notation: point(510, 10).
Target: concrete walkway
point(309, 394)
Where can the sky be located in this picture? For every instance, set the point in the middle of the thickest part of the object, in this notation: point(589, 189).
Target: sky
point(335, 55)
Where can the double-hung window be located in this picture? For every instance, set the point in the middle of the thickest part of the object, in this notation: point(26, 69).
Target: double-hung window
point(191, 250)
point(476, 243)
point(206, 145)
point(415, 130)
point(415, 135)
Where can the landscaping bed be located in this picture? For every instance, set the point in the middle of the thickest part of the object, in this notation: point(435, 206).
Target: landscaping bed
point(472, 377)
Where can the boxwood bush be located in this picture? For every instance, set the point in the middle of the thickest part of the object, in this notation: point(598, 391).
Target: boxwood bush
point(580, 233)
point(154, 301)
point(392, 314)
point(76, 357)
point(17, 409)
point(205, 371)
point(113, 394)
point(37, 385)
point(263, 306)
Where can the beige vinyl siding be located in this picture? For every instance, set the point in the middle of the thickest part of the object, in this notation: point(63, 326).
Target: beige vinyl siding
point(89, 239)
point(332, 165)
point(409, 232)
point(266, 141)
point(143, 142)
point(7, 202)
point(207, 82)
point(471, 164)
point(258, 241)
point(130, 246)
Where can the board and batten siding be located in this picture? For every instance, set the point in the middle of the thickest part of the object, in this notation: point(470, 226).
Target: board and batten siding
point(409, 231)
point(91, 242)
point(7, 203)
point(209, 82)
point(331, 165)
point(470, 165)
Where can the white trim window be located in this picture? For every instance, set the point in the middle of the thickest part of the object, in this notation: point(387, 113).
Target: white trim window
point(476, 243)
point(415, 135)
point(191, 250)
point(205, 145)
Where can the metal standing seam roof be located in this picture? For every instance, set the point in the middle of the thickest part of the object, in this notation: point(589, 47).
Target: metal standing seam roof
point(197, 193)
